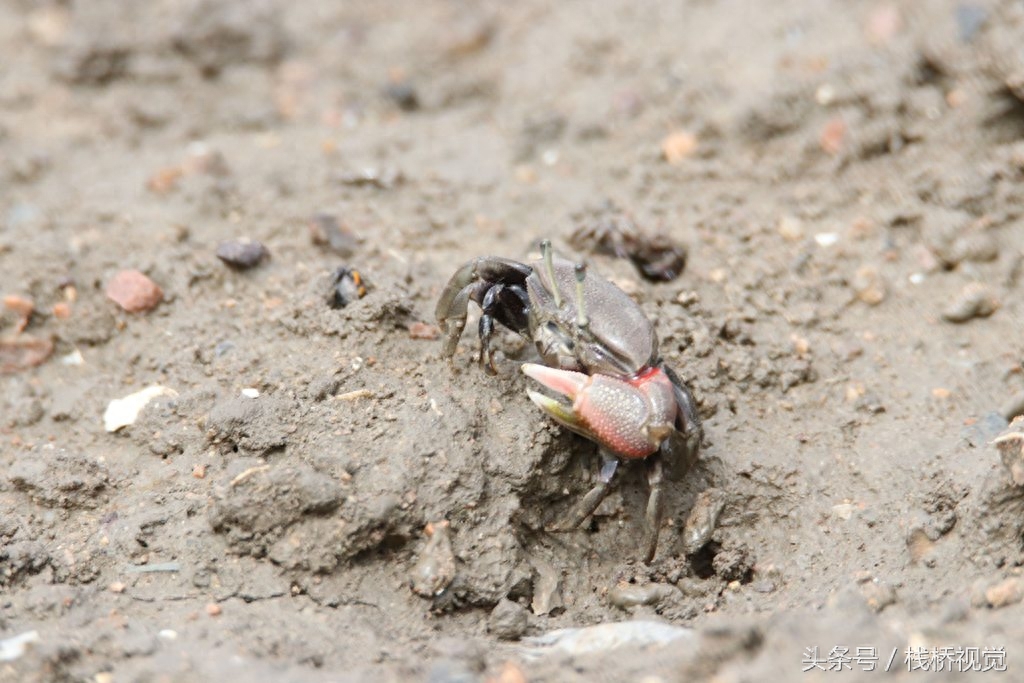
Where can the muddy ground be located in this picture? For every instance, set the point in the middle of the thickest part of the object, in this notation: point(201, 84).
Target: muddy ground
point(324, 498)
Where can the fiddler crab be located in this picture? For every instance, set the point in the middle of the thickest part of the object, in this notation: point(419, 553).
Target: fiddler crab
point(600, 354)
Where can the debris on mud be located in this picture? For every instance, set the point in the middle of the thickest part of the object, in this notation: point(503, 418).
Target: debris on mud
point(605, 638)
point(21, 306)
point(613, 232)
point(975, 300)
point(508, 620)
point(547, 589)
point(134, 292)
point(627, 595)
point(242, 253)
point(326, 230)
point(702, 520)
point(678, 146)
point(20, 353)
point(421, 330)
point(1013, 407)
point(869, 285)
point(999, 592)
point(347, 285)
point(434, 570)
point(1011, 450)
point(380, 178)
point(122, 412)
point(403, 94)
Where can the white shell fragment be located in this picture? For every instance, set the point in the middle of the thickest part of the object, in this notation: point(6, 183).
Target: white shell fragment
point(826, 239)
point(606, 637)
point(14, 647)
point(122, 412)
point(250, 392)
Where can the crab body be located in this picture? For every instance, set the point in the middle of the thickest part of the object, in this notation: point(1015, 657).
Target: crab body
point(600, 354)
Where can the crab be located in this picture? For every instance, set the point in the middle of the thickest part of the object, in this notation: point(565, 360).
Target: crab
point(600, 355)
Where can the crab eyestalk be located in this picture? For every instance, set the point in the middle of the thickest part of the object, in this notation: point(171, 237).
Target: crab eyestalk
point(549, 267)
point(581, 312)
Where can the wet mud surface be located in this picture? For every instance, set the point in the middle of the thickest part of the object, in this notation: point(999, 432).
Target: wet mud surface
point(249, 210)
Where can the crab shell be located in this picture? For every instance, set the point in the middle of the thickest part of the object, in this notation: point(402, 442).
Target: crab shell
point(618, 339)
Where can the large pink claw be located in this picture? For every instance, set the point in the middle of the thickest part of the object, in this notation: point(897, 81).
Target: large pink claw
point(630, 417)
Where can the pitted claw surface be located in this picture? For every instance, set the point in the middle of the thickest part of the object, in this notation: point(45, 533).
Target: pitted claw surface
point(616, 413)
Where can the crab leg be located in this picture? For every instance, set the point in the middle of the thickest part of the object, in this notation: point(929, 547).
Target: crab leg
point(473, 282)
point(655, 473)
point(586, 507)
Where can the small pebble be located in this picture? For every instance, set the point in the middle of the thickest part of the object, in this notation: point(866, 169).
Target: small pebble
point(832, 136)
point(884, 22)
point(213, 609)
point(869, 285)
point(878, 594)
point(508, 620)
point(434, 570)
point(116, 587)
point(1013, 407)
point(918, 544)
point(199, 471)
point(976, 247)
point(826, 239)
point(974, 301)
point(678, 146)
point(134, 292)
point(326, 230)
point(547, 589)
point(21, 353)
point(165, 180)
point(702, 520)
point(510, 673)
point(422, 330)
point(22, 307)
point(403, 95)
point(1004, 593)
point(73, 358)
point(844, 511)
point(1010, 445)
point(627, 595)
point(791, 228)
point(242, 253)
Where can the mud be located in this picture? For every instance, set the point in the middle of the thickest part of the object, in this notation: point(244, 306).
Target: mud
point(323, 498)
